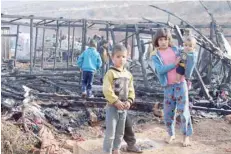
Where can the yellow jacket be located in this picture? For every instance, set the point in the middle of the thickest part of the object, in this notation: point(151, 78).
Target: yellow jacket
point(118, 85)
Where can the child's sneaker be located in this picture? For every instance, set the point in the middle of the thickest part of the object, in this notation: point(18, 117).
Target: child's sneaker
point(134, 148)
point(90, 96)
point(84, 94)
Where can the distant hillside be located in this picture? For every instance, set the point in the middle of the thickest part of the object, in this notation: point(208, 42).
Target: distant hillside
point(127, 11)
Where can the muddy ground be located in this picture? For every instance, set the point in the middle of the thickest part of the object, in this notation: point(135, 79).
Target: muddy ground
point(211, 136)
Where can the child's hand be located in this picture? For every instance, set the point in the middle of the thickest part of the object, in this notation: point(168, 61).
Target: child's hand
point(178, 59)
point(119, 105)
point(127, 105)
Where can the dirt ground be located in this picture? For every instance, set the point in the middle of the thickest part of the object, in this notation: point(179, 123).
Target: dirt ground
point(210, 137)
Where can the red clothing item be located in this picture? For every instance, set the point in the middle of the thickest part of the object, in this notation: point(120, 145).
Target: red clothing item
point(169, 57)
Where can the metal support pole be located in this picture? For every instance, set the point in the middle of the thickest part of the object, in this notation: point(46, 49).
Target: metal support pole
point(43, 41)
point(31, 44)
point(16, 46)
point(56, 43)
point(73, 44)
point(68, 43)
point(35, 46)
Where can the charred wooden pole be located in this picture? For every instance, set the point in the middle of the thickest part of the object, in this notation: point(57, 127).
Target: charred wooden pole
point(228, 79)
point(84, 33)
point(56, 43)
point(84, 37)
point(209, 66)
point(199, 58)
point(60, 44)
point(16, 46)
point(132, 50)
point(43, 41)
point(35, 46)
point(113, 37)
point(107, 32)
point(206, 91)
point(60, 40)
point(141, 60)
point(152, 35)
point(31, 43)
point(68, 43)
point(179, 35)
point(126, 37)
point(222, 111)
point(73, 44)
point(215, 63)
point(224, 72)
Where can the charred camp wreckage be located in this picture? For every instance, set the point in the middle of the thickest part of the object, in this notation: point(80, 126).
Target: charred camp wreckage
point(44, 88)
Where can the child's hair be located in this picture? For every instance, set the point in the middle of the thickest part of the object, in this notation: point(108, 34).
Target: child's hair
point(118, 48)
point(162, 32)
point(93, 43)
point(191, 39)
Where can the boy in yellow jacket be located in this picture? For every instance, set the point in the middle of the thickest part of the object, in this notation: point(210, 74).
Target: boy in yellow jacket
point(119, 91)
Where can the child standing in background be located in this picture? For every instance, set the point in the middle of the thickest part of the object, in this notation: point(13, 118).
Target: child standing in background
point(89, 61)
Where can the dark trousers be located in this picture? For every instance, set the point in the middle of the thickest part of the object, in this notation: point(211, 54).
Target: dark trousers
point(104, 69)
point(87, 82)
point(129, 135)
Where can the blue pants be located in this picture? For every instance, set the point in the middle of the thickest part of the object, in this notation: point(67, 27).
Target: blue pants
point(176, 102)
point(115, 125)
point(87, 82)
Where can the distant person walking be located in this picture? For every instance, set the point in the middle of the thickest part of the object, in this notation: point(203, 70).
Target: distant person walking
point(105, 56)
point(89, 61)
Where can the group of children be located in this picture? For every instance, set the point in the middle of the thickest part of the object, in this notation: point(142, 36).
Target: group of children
point(172, 66)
